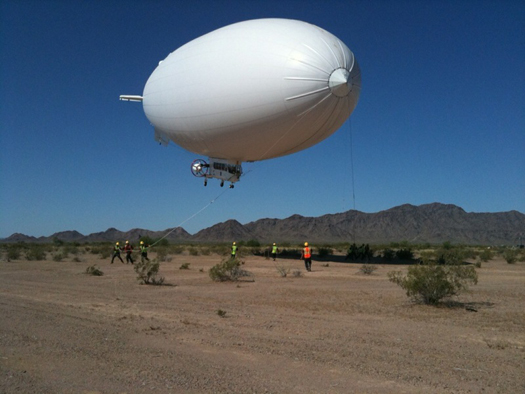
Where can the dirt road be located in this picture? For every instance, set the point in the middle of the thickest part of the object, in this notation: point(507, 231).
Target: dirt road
point(333, 330)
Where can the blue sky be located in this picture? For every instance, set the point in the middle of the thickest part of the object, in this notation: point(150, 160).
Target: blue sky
point(441, 117)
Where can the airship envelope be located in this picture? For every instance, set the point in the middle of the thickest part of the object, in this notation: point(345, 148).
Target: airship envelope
point(254, 90)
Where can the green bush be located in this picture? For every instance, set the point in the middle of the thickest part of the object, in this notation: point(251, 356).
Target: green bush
point(451, 255)
point(13, 252)
point(176, 249)
point(36, 252)
point(253, 243)
point(404, 254)
point(324, 251)
point(486, 255)
point(193, 251)
point(185, 266)
point(431, 282)
point(227, 270)
point(510, 256)
point(147, 272)
point(359, 253)
point(388, 254)
point(58, 257)
point(70, 249)
point(162, 253)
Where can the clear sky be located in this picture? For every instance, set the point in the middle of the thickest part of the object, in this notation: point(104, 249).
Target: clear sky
point(441, 117)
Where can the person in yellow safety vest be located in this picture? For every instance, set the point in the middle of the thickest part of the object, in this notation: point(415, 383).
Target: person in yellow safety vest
point(274, 251)
point(143, 251)
point(234, 250)
point(307, 256)
point(116, 253)
point(128, 249)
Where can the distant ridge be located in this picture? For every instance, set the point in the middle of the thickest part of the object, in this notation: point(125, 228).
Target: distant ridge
point(428, 223)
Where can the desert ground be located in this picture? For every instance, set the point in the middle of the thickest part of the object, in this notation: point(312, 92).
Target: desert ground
point(333, 330)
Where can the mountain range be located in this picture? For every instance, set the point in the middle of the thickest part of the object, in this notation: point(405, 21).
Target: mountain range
point(429, 223)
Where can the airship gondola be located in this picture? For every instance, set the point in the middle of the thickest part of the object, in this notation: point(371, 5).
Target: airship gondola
point(251, 91)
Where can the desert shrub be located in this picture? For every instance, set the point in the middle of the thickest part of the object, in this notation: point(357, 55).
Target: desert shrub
point(359, 253)
point(486, 255)
point(147, 272)
point(450, 255)
point(76, 259)
point(162, 253)
point(95, 250)
point(205, 251)
point(282, 270)
point(404, 254)
point(447, 245)
point(13, 252)
point(253, 243)
point(58, 257)
point(521, 256)
point(228, 270)
point(193, 251)
point(94, 270)
point(324, 251)
point(367, 269)
point(510, 256)
point(290, 253)
point(221, 313)
point(388, 254)
point(175, 249)
point(185, 266)
point(36, 252)
point(221, 250)
point(70, 249)
point(297, 273)
point(147, 240)
point(430, 283)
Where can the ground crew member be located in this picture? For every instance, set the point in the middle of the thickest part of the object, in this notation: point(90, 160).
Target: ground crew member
point(143, 251)
point(128, 249)
point(274, 251)
point(116, 253)
point(307, 256)
point(234, 250)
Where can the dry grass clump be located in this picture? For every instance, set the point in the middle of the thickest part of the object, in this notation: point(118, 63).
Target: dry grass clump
point(282, 270)
point(367, 269)
point(94, 270)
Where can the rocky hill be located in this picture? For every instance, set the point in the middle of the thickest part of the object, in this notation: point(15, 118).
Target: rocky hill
point(432, 223)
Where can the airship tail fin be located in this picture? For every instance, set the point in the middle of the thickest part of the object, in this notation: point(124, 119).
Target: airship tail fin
point(127, 97)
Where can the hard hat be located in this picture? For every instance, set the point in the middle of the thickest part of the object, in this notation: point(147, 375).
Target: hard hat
point(141, 242)
point(117, 243)
point(274, 243)
point(127, 242)
point(306, 244)
point(234, 243)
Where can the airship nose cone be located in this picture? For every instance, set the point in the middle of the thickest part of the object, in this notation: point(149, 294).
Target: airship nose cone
point(340, 82)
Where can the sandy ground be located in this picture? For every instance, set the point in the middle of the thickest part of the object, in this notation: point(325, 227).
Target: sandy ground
point(334, 330)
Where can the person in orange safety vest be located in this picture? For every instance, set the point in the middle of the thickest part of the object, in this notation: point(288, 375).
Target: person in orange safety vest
point(307, 256)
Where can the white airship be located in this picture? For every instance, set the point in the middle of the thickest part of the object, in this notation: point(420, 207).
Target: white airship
point(251, 91)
